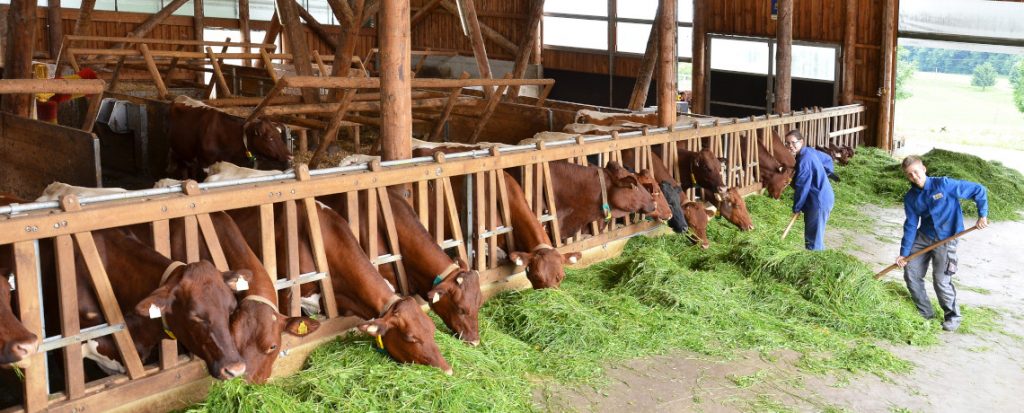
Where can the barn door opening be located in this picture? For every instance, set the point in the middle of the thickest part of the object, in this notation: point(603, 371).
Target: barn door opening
point(741, 75)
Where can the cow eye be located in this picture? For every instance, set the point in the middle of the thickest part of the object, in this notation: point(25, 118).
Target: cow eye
point(273, 347)
point(410, 338)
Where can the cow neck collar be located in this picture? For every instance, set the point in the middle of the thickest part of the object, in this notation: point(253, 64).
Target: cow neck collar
point(449, 270)
point(391, 303)
point(693, 175)
point(262, 300)
point(606, 210)
point(163, 278)
point(245, 144)
point(542, 246)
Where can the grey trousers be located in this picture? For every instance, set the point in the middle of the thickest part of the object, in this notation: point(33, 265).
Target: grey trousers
point(944, 265)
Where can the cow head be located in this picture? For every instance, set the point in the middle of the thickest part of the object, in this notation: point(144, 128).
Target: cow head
point(265, 138)
point(662, 210)
point(456, 300)
point(407, 335)
point(256, 327)
point(697, 220)
point(706, 171)
point(625, 194)
point(731, 206)
point(545, 266)
point(16, 342)
point(777, 182)
point(196, 301)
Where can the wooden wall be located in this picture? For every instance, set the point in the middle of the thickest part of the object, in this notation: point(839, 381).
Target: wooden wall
point(441, 30)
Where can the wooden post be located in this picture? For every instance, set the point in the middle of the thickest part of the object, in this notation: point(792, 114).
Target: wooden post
point(150, 23)
point(423, 12)
point(476, 39)
point(56, 28)
point(447, 111)
point(849, 52)
point(347, 41)
point(317, 28)
point(784, 58)
point(81, 29)
point(699, 65)
point(529, 38)
point(395, 80)
point(643, 81)
point(667, 61)
point(889, 16)
point(21, 19)
point(243, 27)
point(198, 26)
point(297, 45)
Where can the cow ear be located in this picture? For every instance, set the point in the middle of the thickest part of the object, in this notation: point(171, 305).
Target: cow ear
point(520, 258)
point(237, 280)
point(628, 181)
point(375, 327)
point(722, 160)
point(157, 303)
point(572, 257)
point(301, 326)
point(462, 264)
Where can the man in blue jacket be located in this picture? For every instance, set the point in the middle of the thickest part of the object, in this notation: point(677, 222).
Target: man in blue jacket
point(933, 214)
point(812, 192)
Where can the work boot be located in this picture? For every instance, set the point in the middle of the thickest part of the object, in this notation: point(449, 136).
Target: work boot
point(951, 325)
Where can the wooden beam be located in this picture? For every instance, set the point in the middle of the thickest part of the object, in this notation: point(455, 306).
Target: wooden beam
point(198, 27)
point(395, 80)
point(342, 11)
point(82, 25)
point(485, 30)
point(889, 17)
point(530, 36)
point(149, 24)
point(492, 105)
point(638, 98)
point(333, 127)
point(849, 52)
point(270, 37)
point(347, 40)
point(317, 28)
point(668, 79)
point(55, 26)
point(699, 65)
point(243, 28)
point(21, 19)
point(476, 39)
point(296, 38)
point(784, 58)
point(423, 12)
point(447, 112)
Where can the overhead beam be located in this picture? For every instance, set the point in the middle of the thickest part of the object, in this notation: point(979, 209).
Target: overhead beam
point(150, 23)
point(476, 40)
point(486, 30)
point(423, 12)
point(287, 12)
point(317, 28)
point(668, 61)
point(784, 58)
point(530, 36)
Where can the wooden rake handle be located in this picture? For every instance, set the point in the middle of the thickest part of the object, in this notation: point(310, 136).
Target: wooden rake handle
point(926, 249)
point(790, 226)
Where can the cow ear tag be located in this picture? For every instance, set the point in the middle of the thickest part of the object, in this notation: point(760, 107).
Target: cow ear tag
point(154, 311)
point(241, 284)
point(303, 329)
point(572, 259)
point(11, 281)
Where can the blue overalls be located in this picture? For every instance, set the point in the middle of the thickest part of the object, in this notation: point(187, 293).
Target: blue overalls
point(813, 196)
point(826, 162)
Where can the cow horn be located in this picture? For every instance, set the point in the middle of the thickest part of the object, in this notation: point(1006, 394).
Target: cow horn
point(437, 297)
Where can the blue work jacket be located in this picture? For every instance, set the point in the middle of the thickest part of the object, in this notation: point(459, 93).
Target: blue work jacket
point(811, 189)
point(937, 209)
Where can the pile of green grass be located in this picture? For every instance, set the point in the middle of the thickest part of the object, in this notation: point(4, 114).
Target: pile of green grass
point(874, 177)
point(749, 291)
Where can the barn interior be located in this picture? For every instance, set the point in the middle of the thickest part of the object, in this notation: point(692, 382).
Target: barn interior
point(102, 93)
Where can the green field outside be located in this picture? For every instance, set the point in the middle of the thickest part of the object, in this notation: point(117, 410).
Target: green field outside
point(968, 114)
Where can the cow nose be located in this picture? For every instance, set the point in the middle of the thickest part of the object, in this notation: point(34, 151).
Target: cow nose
point(474, 343)
point(24, 348)
point(704, 246)
point(233, 370)
point(449, 371)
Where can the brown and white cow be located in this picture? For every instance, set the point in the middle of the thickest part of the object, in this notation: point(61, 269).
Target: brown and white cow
point(398, 324)
point(200, 135)
point(450, 289)
point(775, 177)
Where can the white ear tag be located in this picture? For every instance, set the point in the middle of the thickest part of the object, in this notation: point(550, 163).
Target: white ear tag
point(154, 311)
point(572, 259)
point(519, 262)
point(241, 285)
point(371, 329)
point(458, 280)
point(437, 297)
point(10, 280)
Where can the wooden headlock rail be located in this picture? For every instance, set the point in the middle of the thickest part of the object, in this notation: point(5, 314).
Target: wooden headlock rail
point(71, 221)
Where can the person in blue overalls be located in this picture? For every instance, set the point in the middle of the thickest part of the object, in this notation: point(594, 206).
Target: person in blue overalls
point(812, 194)
point(933, 214)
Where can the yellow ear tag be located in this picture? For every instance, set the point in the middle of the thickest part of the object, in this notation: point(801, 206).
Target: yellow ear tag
point(302, 328)
point(380, 343)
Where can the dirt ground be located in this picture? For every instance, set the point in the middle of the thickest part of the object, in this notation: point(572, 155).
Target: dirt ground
point(965, 372)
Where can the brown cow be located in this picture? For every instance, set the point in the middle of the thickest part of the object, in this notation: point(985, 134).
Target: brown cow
point(697, 220)
point(449, 288)
point(163, 298)
point(701, 170)
point(774, 176)
point(580, 197)
point(731, 206)
point(671, 190)
point(398, 324)
point(16, 342)
point(257, 324)
point(200, 136)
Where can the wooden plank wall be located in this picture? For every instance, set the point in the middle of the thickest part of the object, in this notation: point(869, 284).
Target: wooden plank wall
point(29, 163)
point(440, 30)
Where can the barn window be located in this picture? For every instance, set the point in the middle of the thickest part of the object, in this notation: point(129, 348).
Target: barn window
point(576, 33)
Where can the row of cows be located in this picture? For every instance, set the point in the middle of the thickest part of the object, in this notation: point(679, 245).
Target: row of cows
point(232, 319)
